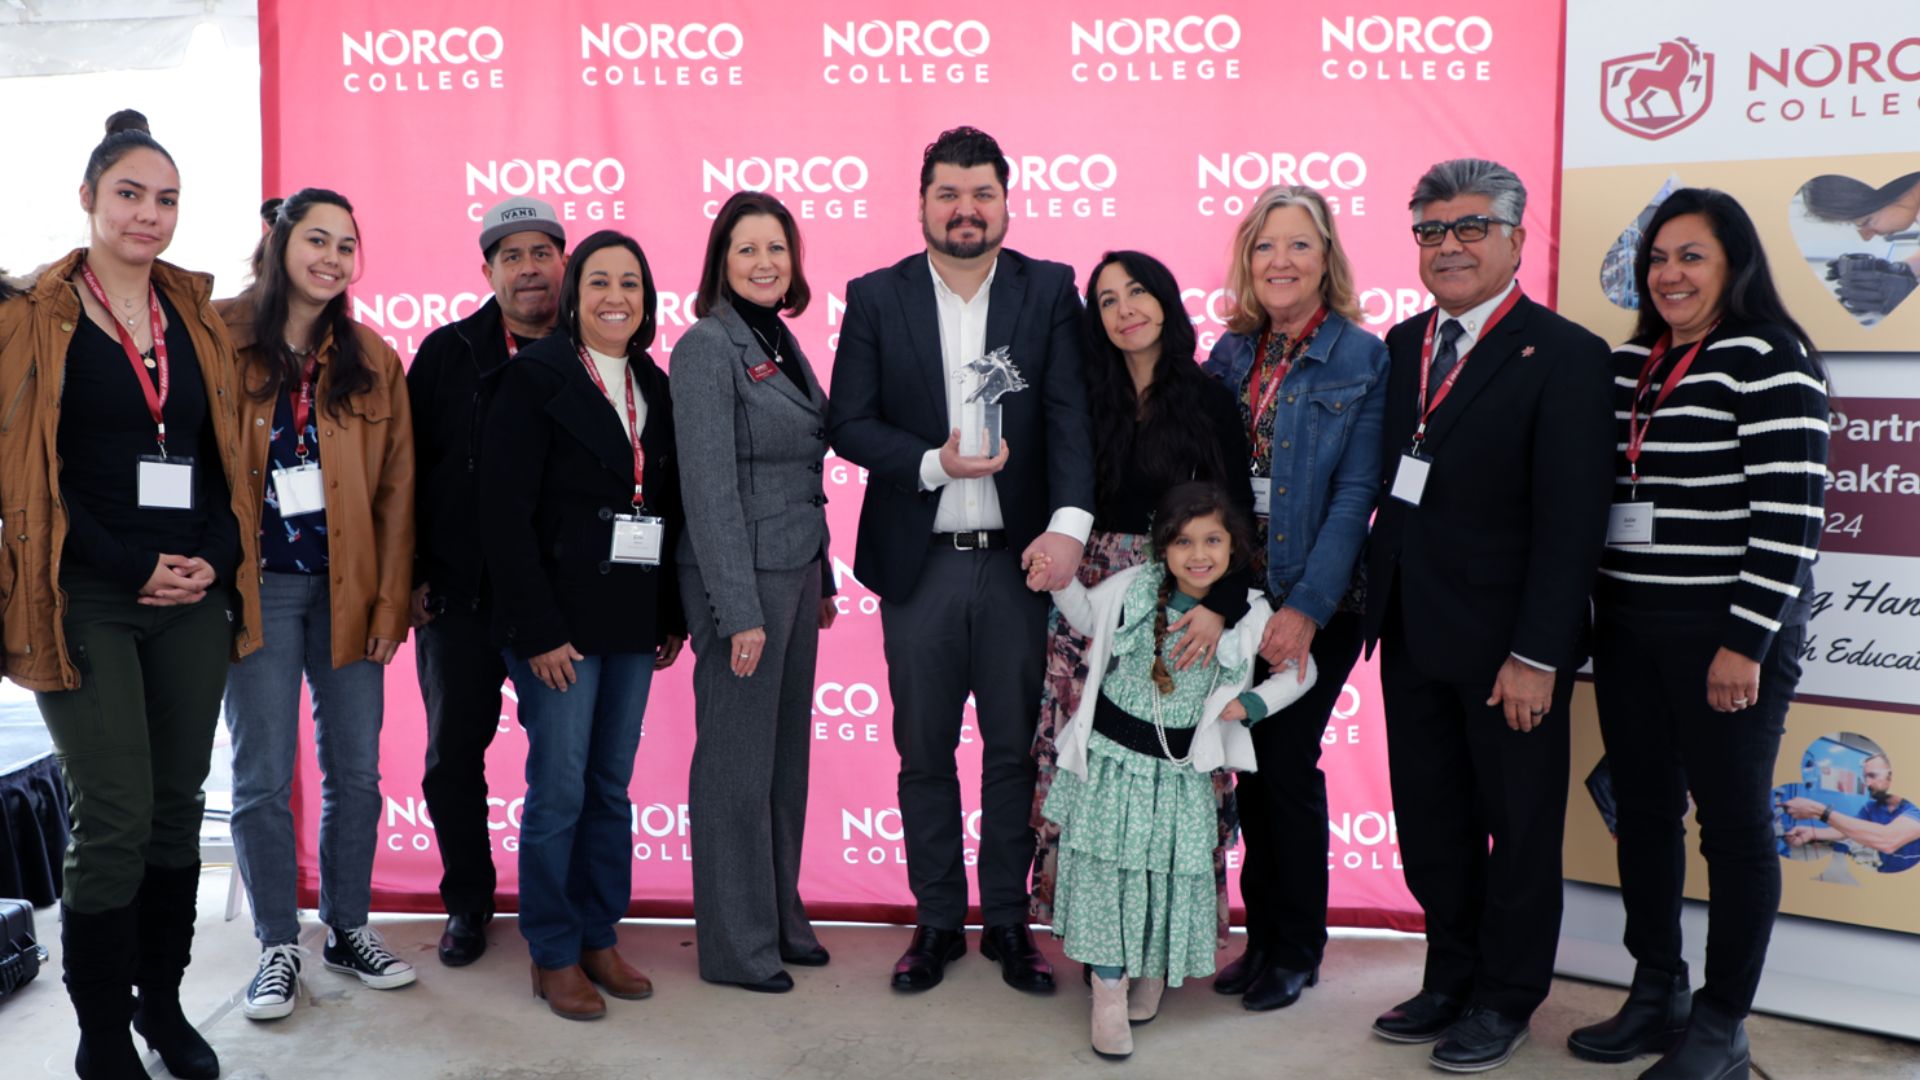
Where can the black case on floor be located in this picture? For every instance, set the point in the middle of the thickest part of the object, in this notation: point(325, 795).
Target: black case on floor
point(20, 955)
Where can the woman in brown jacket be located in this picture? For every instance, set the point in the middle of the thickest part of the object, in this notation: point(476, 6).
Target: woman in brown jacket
point(126, 579)
point(327, 444)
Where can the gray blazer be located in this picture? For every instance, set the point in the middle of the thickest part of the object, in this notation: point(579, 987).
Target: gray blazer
point(750, 466)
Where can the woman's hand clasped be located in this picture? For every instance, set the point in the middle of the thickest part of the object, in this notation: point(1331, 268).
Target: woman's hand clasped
point(177, 579)
point(1203, 627)
point(1288, 637)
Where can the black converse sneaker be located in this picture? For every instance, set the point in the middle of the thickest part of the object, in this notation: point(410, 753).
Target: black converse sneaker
point(276, 984)
point(362, 952)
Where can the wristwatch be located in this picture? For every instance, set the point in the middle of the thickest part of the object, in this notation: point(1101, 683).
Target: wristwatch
point(1825, 813)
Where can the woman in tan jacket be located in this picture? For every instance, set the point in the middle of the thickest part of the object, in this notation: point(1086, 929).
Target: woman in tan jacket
point(327, 444)
point(126, 579)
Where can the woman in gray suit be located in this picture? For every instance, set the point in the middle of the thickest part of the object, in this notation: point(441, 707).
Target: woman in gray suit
point(757, 591)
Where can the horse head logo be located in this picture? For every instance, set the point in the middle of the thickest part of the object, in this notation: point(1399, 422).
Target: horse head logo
point(1655, 94)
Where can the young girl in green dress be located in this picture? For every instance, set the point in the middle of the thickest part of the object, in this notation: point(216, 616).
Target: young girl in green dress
point(1133, 797)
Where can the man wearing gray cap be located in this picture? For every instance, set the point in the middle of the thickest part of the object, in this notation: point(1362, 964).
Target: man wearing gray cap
point(460, 668)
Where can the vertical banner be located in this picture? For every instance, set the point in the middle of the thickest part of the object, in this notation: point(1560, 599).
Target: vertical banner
point(1143, 125)
point(1809, 123)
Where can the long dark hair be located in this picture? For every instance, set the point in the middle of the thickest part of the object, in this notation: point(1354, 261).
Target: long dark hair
point(1183, 503)
point(127, 131)
point(348, 373)
point(1842, 198)
point(1750, 297)
point(570, 289)
point(714, 289)
point(1172, 434)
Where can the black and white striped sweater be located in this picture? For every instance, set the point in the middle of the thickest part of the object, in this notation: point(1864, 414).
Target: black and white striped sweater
point(1735, 465)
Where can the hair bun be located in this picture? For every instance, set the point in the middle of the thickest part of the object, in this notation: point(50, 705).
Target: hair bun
point(127, 120)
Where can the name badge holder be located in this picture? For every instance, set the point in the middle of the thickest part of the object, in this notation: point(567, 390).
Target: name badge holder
point(1410, 480)
point(300, 488)
point(1630, 524)
point(639, 537)
point(1262, 495)
point(161, 481)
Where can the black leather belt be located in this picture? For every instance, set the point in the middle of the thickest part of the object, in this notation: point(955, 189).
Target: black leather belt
point(974, 540)
point(1136, 734)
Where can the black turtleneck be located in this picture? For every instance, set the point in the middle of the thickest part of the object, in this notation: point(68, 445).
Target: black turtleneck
point(770, 331)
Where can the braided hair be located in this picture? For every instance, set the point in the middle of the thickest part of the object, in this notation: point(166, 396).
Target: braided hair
point(1181, 504)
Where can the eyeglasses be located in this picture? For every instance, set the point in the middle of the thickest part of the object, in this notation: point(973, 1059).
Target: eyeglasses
point(1469, 229)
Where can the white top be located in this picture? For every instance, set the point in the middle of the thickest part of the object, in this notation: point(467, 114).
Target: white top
point(1096, 613)
point(1474, 321)
point(613, 375)
point(966, 505)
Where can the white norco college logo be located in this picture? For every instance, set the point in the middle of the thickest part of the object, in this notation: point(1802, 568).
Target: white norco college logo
point(837, 178)
point(579, 188)
point(422, 60)
point(1155, 49)
point(661, 54)
point(904, 52)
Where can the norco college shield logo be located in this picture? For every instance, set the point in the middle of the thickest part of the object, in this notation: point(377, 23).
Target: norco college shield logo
point(1655, 94)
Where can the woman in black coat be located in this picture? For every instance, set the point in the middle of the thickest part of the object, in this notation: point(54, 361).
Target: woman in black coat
point(581, 471)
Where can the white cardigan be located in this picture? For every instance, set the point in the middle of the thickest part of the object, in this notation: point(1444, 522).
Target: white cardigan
point(1096, 613)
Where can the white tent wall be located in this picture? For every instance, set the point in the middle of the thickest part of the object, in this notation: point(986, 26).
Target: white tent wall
point(192, 68)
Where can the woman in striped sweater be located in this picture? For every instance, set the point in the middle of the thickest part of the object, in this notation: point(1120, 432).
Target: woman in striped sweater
point(1702, 609)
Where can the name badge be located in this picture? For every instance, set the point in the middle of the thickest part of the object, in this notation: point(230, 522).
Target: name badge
point(300, 490)
point(1629, 524)
point(1410, 482)
point(637, 540)
point(1262, 494)
point(165, 483)
point(762, 371)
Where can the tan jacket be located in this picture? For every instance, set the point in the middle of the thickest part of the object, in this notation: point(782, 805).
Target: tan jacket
point(35, 330)
point(366, 457)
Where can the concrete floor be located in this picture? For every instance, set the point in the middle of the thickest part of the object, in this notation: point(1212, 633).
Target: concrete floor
point(842, 1021)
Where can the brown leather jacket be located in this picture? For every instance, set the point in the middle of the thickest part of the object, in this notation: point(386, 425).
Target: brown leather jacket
point(35, 330)
point(366, 456)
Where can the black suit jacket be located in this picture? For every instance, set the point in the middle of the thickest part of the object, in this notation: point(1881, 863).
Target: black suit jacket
point(556, 467)
point(889, 407)
point(1500, 555)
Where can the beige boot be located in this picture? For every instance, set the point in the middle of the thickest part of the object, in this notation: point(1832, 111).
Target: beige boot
point(1143, 999)
point(1112, 1035)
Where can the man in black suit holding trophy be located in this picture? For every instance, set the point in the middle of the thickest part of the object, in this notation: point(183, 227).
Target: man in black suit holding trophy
point(950, 524)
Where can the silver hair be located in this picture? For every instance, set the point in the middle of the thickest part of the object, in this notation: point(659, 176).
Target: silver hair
point(1472, 176)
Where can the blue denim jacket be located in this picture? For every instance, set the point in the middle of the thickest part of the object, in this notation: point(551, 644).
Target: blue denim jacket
point(1326, 459)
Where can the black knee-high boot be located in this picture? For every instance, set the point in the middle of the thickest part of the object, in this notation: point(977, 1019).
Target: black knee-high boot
point(97, 949)
point(166, 911)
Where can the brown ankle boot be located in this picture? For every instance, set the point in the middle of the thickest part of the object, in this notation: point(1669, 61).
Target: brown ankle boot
point(568, 993)
point(1143, 999)
point(1112, 1035)
point(615, 975)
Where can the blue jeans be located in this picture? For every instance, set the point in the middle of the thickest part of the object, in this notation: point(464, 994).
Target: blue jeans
point(576, 827)
point(263, 713)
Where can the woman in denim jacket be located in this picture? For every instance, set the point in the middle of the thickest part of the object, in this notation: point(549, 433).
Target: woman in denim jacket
point(1312, 389)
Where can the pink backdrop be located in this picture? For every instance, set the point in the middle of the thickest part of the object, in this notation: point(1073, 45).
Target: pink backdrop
point(1143, 125)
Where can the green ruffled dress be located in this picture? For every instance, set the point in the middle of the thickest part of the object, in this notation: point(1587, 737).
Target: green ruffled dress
point(1136, 886)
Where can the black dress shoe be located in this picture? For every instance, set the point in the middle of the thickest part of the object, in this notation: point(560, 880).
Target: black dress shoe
point(777, 983)
point(1421, 1018)
point(1021, 964)
point(1480, 1040)
point(814, 957)
point(1713, 1048)
point(925, 962)
point(1650, 1022)
point(1237, 976)
point(1277, 988)
point(464, 939)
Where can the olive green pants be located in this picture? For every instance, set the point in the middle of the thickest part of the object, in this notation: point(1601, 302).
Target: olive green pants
point(135, 739)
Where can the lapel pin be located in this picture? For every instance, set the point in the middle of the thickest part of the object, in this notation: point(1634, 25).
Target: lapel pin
point(1528, 351)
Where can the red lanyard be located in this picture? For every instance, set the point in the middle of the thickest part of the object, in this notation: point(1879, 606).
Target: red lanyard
point(156, 400)
point(303, 408)
point(1636, 427)
point(633, 422)
point(1259, 403)
point(1427, 407)
point(513, 347)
